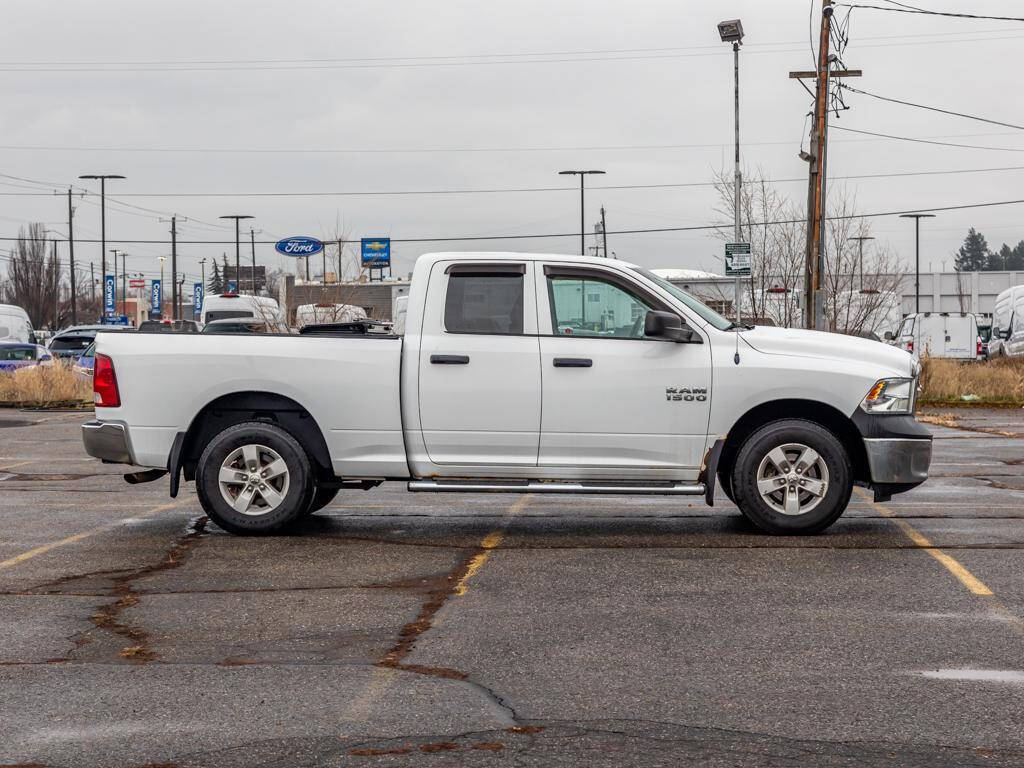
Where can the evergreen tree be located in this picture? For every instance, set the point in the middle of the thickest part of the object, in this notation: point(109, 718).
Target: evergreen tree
point(1016, 260)
point(973, 255)
point(215, 284)
point(1000, 259)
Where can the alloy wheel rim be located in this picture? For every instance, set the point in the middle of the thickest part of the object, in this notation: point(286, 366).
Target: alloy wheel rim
point(792, 479)
point(254, 480)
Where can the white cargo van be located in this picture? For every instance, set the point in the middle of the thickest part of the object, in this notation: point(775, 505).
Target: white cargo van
point(232, 305)
point(15, 325)
point(951, 335)
point(318, 314)
point(1002, 320)
point(1013, 333)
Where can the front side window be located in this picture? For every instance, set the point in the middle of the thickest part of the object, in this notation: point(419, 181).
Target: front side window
point(584, 306)
point(490, 303)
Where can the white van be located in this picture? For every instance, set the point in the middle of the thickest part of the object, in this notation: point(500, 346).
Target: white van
point(1013, 334)
point(1002, 320)
point(15, 325)
point(229, 305)
point(950, 335)
point(318, 314)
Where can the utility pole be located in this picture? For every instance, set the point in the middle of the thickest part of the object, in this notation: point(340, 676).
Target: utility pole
point(238, 248)
point(814, 302)
point(202, 266)
point(92, 282)
point(56, 288)
point(604, 234)
point(124, 282)
point(174, 266)
point(583, 224)
point(71, 257)
point(860, 256)
point(252, 241)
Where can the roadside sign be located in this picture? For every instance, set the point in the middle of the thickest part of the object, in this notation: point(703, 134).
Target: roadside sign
point(197, 298)
point(737, 259)
point(109, 295)
point(156, 299)
point(376, 252)
point(299, 246)
point(232, 287)
point(135, 283)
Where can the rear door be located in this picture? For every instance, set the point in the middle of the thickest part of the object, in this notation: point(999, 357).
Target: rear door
point(479, 365)
point(961, 337)
point(613, 397)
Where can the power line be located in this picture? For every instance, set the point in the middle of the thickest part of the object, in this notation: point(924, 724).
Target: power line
point(926, 141)
point(552, 235)
point(930, 109)
point(911, 9)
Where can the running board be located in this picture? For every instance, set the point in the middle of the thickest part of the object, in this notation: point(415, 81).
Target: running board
point(667, 489)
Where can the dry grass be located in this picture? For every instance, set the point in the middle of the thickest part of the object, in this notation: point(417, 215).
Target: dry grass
point(999, 382)
point(40, 387)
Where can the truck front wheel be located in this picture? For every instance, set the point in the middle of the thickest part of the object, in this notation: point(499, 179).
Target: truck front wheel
point(254, 478)
point(792, 477)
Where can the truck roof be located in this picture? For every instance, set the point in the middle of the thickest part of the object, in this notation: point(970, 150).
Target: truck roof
point(512, 255)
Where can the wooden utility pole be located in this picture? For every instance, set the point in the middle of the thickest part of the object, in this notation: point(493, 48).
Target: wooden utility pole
point(71, 257)
point(814, 299)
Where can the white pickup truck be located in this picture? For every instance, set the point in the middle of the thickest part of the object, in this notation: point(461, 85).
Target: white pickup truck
point(517, 373)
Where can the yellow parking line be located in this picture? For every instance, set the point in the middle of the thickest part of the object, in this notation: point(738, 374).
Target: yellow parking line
point(974, 585)
point(492, 540)
point(44, 548)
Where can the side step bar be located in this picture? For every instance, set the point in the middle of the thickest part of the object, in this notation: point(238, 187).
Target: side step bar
point(667, 489)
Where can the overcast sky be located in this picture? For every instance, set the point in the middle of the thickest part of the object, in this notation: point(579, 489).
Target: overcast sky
point(551, 85)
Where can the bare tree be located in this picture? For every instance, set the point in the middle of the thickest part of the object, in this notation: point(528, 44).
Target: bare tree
point(34, 276)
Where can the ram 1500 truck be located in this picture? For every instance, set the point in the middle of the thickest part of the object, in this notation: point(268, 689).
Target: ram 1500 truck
point(517, 373)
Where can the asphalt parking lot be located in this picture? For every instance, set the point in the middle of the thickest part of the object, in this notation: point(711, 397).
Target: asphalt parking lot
point(454, 630)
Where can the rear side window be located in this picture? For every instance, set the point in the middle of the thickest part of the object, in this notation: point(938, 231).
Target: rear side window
point(484, 303)
point(225, 314)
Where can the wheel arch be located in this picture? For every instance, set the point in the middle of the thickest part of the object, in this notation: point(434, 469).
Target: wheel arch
point(822, 414)
point(237, 407)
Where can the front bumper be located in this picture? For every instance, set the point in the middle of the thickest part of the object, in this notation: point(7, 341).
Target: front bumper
point(107, 440)
point(898, 460)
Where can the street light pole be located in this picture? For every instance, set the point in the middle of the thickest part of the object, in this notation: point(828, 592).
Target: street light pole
point(917, 253)
point(860, 255)
point(114, 251)
point(238, 248)
point(732, 32)
point(583, 225)
point(103, 220)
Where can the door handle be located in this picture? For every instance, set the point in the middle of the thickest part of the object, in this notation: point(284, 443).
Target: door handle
point(573, 362)
point(449, 359)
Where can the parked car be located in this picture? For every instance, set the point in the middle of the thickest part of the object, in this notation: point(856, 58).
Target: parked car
point(15, 325)
point(244, 325)
point(483, 394)
point(15, 355)
point(319, 314)
point(950, 335)
point(234, 305)
point(1002, 320)
point(84, 364)
point(69, 343)
point(169, 326)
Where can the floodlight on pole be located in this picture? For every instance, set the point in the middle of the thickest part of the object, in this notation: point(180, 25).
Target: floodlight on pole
point(732, 32)
point(917, 253)
point(103, 215)
point(583, 225)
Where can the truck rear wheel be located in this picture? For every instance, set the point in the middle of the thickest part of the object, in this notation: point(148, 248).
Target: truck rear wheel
point(792, 477)
point(254, 478)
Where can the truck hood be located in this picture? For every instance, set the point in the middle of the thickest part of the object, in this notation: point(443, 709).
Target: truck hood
point(833, 346)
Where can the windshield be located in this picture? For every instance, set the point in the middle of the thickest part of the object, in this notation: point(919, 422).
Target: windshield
point(225, 314)
point(17, 353)
point(702, 309)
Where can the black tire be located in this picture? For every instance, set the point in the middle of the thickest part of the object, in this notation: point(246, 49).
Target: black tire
point(321, 498)
point(832, 454)
point(297, 493)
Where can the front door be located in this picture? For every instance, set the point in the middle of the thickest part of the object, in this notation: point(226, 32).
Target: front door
point(613, 397)
point(479, 364)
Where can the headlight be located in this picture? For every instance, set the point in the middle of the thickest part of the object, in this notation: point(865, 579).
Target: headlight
point(890, 396)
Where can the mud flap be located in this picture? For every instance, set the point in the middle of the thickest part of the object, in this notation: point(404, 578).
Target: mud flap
point(174, 463)
point(709, 472)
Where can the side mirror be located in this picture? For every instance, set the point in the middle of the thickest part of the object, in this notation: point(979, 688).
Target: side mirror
point(1004, 333)
point(668, 326)
point(888, 336)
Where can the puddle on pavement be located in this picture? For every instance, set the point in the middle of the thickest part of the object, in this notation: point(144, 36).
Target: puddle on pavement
point(16, 423)
point(976, 675)
point(26, 477)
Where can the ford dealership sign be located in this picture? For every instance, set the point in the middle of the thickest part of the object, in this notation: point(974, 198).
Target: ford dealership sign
point(299, 246)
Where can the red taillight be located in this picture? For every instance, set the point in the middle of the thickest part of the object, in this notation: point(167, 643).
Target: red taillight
point(910, 346)
point(979, 346)
point(104, 383)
